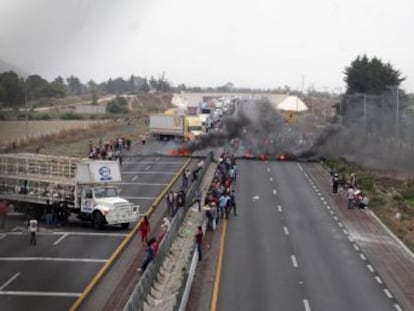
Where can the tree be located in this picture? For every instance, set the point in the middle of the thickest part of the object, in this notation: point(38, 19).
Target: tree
point(117, 105)
point(57, 88)
point(11, 89)
point(370, 76)
point(74, 85)
point(36, 87)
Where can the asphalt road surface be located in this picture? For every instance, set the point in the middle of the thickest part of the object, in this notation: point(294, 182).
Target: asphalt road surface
point(51, 275)
point(287, 251)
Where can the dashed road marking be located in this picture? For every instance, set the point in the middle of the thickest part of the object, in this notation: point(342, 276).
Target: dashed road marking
point(135, 178)
point(2, 236)
point(279, 208)
point(274, 192)
point(340, 225)
point(350, 239)
point(397, 307)
point(332, 212)
point(15, 276)
point(147, 167)
point(286, 230)
point(378, 279)
point(370, 268)
point(328, 207)
point(388, 293)
point(307, 305)
point(268, 169)
point(336, 218)
point(271, 179)
point(60, 239)
point(362, 256)
point(356, 247)
point(345, 231)
point(294, 261)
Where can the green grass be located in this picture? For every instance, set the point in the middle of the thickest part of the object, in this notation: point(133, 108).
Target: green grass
point(409, 202)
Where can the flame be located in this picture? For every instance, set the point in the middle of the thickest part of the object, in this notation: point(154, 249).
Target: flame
point(181, 152)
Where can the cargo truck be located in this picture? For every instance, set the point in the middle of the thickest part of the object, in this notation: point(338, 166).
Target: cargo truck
point(88, 188)
point(178, 127)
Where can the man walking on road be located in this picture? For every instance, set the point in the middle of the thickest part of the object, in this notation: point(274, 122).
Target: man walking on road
point(33, 228)
point(199, 239)
point(350, 196)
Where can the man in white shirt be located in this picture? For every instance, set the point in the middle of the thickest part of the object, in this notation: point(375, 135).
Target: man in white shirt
point(33, 228)
point(350, 196)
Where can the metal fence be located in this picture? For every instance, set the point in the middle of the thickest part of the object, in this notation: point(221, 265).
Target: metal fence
point(141, 291)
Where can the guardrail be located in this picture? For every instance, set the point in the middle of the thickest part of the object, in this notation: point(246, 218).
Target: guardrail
point(143, 288)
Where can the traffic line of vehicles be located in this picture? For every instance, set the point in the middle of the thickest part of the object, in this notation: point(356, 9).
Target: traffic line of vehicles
point(33, 182)
point(186, 123)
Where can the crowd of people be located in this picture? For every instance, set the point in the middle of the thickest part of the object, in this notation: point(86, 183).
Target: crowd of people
point(220, 199)
point(354, 196)
point(110, 150)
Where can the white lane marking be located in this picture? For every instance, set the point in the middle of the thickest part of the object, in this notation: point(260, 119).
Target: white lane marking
point(9, 281)
point(397, 307)
point(388, 293)
point(370, 268)
point(44, 294)
point(279, 208)
point(340, 225)
point(294, 261)
point(268, 169)
point(157, 158)
point(355, 247)
point(307, 305)
point(149, 162)
point(345, 231)
point(271, 179)
point(15, 229)
point(362, 256)
point(149, 172)
point(350, 239)
point(94, 260)
point(2, 236)
point(139, 198)
point(147, 167)
point(328, 207)
point(332, 212)
point(135, 178)
point(336, 218)
point(140, 184)
point(60, 239)
point(91, 233)
point(274, 192)
point(286, 230)
point(378, 279)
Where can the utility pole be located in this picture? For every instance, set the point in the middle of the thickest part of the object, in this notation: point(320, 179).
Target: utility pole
point(27, 110)
point(397, 116)
point(365, 110)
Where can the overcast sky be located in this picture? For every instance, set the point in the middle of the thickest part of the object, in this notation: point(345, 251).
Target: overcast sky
point(260, 43)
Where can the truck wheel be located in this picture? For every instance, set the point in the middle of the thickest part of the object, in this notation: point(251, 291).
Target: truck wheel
point(97, 220)
point(125, 225)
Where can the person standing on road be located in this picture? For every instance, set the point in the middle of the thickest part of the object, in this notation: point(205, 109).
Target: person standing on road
point(198, 199)
point(150, 254)
point(350, 196)
point(232, 201)
point(199, 239)
point(3, 213)
point(335, 183)
point(170, 203)
point(33, 228)
point(144, 229)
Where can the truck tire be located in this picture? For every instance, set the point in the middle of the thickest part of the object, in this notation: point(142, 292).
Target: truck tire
point(125, 225)
point(97, 220)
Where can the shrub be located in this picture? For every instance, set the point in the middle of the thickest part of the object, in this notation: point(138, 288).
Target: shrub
point(70, 116)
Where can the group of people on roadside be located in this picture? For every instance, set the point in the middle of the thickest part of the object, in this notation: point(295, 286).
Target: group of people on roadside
point(354, 196)
point(110, 150)
point(220, 199)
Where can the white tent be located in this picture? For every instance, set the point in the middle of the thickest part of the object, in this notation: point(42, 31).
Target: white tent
point(292, 103)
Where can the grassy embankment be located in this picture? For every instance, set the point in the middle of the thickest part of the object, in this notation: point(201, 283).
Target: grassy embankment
point(75, 141)
point(391, 199)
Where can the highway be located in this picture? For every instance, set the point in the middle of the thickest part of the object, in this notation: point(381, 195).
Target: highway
point(51, 275)
point(288, 250)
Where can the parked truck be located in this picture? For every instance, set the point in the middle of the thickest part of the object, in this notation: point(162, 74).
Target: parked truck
point(174, 126)
point(32, 183)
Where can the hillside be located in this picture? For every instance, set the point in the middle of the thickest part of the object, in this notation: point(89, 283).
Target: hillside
point(4, 66)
